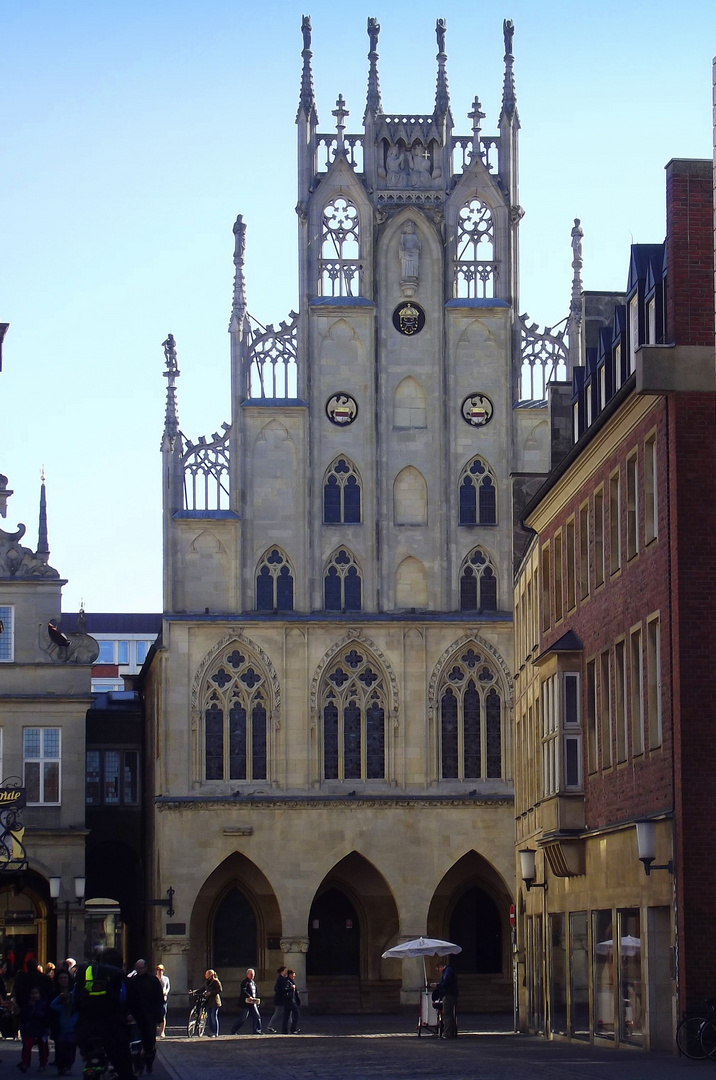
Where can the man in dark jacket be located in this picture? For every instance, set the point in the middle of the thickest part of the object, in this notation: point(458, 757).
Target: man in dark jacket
point(248, 997)
point(447, 989)
point(100, 996)
point(145, 1001)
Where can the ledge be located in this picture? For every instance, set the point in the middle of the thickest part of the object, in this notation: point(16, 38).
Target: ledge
point(341, 301)
point(207, 515)
point(466, 302)
point(296, 802)
point(273, 403)
point(662, 369)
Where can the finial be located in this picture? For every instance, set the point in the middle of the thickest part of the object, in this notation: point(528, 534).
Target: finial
point(43, 549)
point(373, 102)
point(340, 112)
point(574, 322)
point(307, 101)
point(476, 116)
point(442, 93)
point(239, 305)
point(171, 416)
point(509, 97)
point(82, 618)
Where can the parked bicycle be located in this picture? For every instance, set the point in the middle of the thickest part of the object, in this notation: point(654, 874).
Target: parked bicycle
point(196, 1024)
point(696, 1033)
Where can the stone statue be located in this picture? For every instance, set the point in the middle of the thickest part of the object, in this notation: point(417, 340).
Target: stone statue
point(508, 29)
point(420, 174)
point(395, 166)
point(306, 31)
point(373, 31)
point(410, 253)
point(577, 234)
point(440, 28)
point(170, 352)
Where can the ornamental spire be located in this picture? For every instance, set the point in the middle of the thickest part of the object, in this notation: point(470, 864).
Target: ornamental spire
point(575, 305)
point(43, 548)
point(171, 416)
point(509, 97)
point(442, 93)
point(307, 100)
point(239, 305)
point(373, 102)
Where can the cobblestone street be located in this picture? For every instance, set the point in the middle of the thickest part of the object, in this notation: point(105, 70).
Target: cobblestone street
point(353, 1048)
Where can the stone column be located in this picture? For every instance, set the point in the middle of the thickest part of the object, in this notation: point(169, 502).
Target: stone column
point(294, 951)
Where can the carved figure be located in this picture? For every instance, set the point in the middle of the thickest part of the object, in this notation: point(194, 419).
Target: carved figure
point(440, 28)
point(395, 166)
point(306, 31)
point(508, 29)
point(373, 31)
point(420, 174)
point(170, 352)
point(577, 234)
point(410, 253)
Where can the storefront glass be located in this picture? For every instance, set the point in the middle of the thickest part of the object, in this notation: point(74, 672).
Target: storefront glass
point(579, 951)
point(558, 974)
point(604, 974)
point(630, 977)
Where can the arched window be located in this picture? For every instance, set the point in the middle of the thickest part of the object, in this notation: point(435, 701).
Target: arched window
point(478, 583)
point(475, 269)
point(235, 706)
point(353, 712)
point(339, 263)
point(342, 583)
point(478, 494)
point(274, 583)
point(470, 718)
point(341, 494)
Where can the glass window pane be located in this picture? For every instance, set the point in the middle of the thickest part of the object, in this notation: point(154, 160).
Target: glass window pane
point(32, 781)
point(92, 778)
point(375, 742)
point(332, 587)
point(106, 652)
point(558, 974)
point(630, 978)
point(264, 590)
point(580, 974)
point(122, 652)
point(353, 590)
point(472, 749)
point(494, 734)
point(32, 742)
point(131, 777)
point(284, 590)
point(237, 742)
point(214, 742)
point(468, 502)
point(142, 650)
point(488, 502)
point(258, 742)
point(51, 742)
point(352, 741)
point(111, 777)
point(448, 735)
point(332, 502)
point(330, 742)
point(52, 782)
point(351, 501)
point(604, 975)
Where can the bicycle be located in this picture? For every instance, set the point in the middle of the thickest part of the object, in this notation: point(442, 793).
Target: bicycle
point(692, 1029)
point(196, 1024)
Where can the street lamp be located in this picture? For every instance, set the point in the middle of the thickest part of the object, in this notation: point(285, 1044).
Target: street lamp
point(527, 866)
point(646, 846)
point(55, 889)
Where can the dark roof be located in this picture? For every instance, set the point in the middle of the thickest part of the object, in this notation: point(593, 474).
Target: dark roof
point(644, 256)
point(568, 642)
point(122, 622)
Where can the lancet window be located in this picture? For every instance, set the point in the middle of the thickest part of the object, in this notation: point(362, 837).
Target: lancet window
point(340, 267)
point(235, 711)
point(475, 267)
point(478, 494)
point(274, 582)
point(341, 494)
point(353, 711)
point(470, 719)
point(342, 584)
point(478, 583)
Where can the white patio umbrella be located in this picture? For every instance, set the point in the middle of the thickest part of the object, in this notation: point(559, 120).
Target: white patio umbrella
point(422, 946)
point(630, 946)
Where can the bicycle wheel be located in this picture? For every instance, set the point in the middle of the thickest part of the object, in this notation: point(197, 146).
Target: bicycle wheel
point(201, 1025)
point(191, 1027)
point(688, 1037)
point(708, 1038)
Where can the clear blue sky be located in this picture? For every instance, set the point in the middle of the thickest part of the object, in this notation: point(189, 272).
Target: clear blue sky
point(132, 134)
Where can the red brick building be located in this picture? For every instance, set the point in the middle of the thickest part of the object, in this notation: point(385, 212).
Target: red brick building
point(616, 684)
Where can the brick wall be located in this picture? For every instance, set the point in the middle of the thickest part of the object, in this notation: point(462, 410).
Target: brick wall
point(689, 253)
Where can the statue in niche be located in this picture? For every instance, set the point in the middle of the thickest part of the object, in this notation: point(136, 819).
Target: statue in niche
point(420, 173)
point(395, 166)
point(409, 259)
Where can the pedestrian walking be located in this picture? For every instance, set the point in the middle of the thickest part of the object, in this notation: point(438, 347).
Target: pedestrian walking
point(63, 1023)
point(34, 1030)
point(145, 1003)
point(249, 1002)
point(280, 997)
point(166, 988)
point(292, 1007)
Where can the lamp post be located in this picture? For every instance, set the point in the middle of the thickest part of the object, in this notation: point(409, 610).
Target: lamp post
point(646, 846)
point(55, 889)
point(527, 868)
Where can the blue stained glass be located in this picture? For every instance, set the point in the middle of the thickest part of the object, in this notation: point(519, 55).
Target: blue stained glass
point(332, 590)
point(471, 732)
point(468, 591)
point(468, 502)
point(214, 742)
point(375, 741)
point(351, 501)
point(258, 742)
point(488, 502)
point(284, 590)
point(494, 734)
point(352, 741)
point(237, 742)
point(331, 502)
point(353, 590)
point(264, 590)
point(330, 742)
point(448, 735)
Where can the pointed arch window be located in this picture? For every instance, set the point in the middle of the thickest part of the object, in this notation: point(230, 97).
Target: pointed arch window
point(235, 706)
point(478, 583)
point(342, 494)
point(470, 718)
point(475, 267)
point(274, 582)
point(353, 714)
point(478, 494)
point(340, 268)
point(342, 585)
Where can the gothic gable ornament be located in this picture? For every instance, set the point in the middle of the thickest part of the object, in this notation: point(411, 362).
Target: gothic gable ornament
point(408, 319)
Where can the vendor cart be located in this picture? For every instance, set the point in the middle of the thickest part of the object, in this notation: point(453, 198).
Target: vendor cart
point(429, 1012)
point(430, 1015)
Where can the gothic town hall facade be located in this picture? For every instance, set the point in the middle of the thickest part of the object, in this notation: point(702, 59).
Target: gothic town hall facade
point(330, 704)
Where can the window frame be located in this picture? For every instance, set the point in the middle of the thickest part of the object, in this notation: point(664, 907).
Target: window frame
point(599, 562)
point(615, 541)
point(121, 800)
point(654, 726)
point(42, 759)
point(651, 500)
point(7, 638)
point(632, 505)
point(636, 689)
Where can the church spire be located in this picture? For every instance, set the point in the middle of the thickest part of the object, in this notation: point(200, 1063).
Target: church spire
point(373, 102)
point(171, 416)
point(43, 548)
point(509, 97)
point(442, 93)
point(307, 101)
point(239, 306)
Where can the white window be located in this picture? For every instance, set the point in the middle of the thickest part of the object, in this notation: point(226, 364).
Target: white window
point(632, 508)
point(653, 696)
point(650, 500)
point(562, 768)
point(633, 331)
point(572, 734)
point(7, 634)
point(41, 757)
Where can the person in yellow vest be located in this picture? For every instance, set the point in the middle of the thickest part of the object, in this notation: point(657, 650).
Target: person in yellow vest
point(100, 997)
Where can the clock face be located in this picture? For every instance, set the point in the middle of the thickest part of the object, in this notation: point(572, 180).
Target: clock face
point(408, 318)
point(341, 409)
point(477, 410)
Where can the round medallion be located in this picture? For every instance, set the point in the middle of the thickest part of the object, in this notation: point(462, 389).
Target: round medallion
point(477, 410)
point(408, 318)
point(341, 409)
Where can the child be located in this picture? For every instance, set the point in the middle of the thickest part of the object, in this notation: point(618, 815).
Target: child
point(65, 1020)
point(34, 1028)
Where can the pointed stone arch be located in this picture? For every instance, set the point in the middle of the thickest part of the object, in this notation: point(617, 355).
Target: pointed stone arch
point(355, 635)
point(495, 658)
point(410, 408)
point(410, 497)
point(411, 584)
